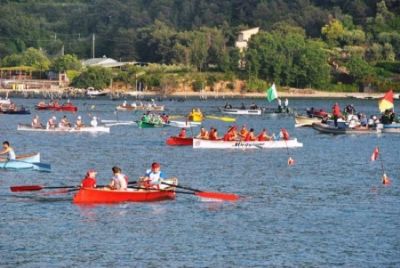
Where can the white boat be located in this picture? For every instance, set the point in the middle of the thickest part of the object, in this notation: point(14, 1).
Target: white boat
point(26, 127)
point(30, 158)
point(241, 111)
point(220, 144)
point(95, 93)
point(184, 124)
point(151, 106)
point(5, 101)
point(110, 123)
point(389, 128)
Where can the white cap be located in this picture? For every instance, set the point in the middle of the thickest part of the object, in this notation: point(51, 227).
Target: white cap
point(54, 117)
point(94, 118)
point(79, 117)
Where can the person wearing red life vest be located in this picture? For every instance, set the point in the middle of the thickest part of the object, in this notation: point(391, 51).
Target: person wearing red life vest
point(119, 181)
point(243, 132)
point(90, 179)
point(182, 133)
point(231, 135)
point(263, 136)
point(250, 136)
point(336, 113)
point(213, 134)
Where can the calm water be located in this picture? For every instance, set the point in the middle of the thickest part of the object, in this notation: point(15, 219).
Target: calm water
point(329, 209)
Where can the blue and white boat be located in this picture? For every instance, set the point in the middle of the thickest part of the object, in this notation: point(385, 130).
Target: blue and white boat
point(25, 162)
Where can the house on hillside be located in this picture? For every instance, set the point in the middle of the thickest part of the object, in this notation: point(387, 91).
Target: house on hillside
point(241, 43)
point(244, 36)
point(104, 62)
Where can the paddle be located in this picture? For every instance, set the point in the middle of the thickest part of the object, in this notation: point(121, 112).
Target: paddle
point(285, 136)
point(222, 118)
point(211, 195)
point(32, 188)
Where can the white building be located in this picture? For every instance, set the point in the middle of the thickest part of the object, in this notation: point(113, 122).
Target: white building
point(244, 36)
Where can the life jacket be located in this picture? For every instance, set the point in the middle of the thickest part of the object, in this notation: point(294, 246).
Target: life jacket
point(262, 136)
point(249, 137)
point(243, 132)
point(182, 133)
point(213, 136)
point(285, 134)
point(88, 182)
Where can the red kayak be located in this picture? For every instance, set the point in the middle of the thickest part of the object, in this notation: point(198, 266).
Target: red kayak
point(177, 141)
point(66, 107)
point(93, 196)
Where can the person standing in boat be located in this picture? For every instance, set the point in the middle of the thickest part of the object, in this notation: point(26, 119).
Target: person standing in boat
point(51, 123)
point(93, 122)
point(36, 122)
point(279, 105)
point(203, 134)
point(8, 150)
point(90, 179)
point(119, 181)
point(286, 105)
point(336, 113)
point(153, 177)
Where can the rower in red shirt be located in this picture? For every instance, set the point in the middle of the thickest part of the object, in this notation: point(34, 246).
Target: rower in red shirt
point(90, 179)
point(263, 136)
point(231, 135)
point(182, 133)
point(213, 134)
point(250, 136)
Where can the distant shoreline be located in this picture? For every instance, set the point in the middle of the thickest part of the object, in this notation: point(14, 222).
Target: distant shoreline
point(297, 93)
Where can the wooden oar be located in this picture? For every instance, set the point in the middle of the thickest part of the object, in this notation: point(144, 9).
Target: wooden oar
point(211, 195)
point(222, 118)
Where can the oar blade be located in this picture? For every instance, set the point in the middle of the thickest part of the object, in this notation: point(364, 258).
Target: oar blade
point(26, 188)
point(218, 196)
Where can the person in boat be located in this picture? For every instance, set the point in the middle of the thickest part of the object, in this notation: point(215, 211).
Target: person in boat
point(213, 134)
point(182, 133)
point(350, 109)
point(153, 178)
point(51, 123)
point(93, 122)
point(165, 118)
point(363, 120)
point(119, 180)
point(203, 134)
point(250, 136)
point(36, 122)
point(231, 134)
point(79, 122)
point(8, 150)
point(243, 132)
point(336, 113)
point(242, 106)
point(279, 105)
point(253, 106)
point(263, 136)
point(90, 179)
point(227, 106)
point(392, 116)
point(124, 103)
point(64, 123)
point(286, 105)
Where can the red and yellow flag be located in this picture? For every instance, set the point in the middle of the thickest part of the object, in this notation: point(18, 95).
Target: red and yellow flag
point(386, 102)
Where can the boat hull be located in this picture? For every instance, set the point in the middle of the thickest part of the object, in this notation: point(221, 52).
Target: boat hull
point(142, 124)
point(182, 124)
point(390, 128)
point(58, 108)
point(305, 121)
point(96, 196)
point(23, 127)
point(140, 108)
point(328, 129)
point(220, 144)
point(177, 141)
point(241, 112)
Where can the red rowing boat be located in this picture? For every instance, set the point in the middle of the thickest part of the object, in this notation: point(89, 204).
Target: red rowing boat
point(177, 141)
point(92, 196)
point(66, 107)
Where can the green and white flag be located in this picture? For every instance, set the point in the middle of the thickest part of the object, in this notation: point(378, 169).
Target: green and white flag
point(272, 93)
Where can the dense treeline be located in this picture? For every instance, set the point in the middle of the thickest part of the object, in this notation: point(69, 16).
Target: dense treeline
point(303, 42)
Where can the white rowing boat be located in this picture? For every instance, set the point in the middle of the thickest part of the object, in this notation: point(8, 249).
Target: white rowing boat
point(184, 124)
point(241, 111)
point(25, 127)
point(220, 144)
point(111, 123)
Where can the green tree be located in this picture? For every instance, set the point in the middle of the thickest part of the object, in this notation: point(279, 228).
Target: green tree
point(96, 77)
point(66, 62)
point(333, 31)
point(359, 69)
